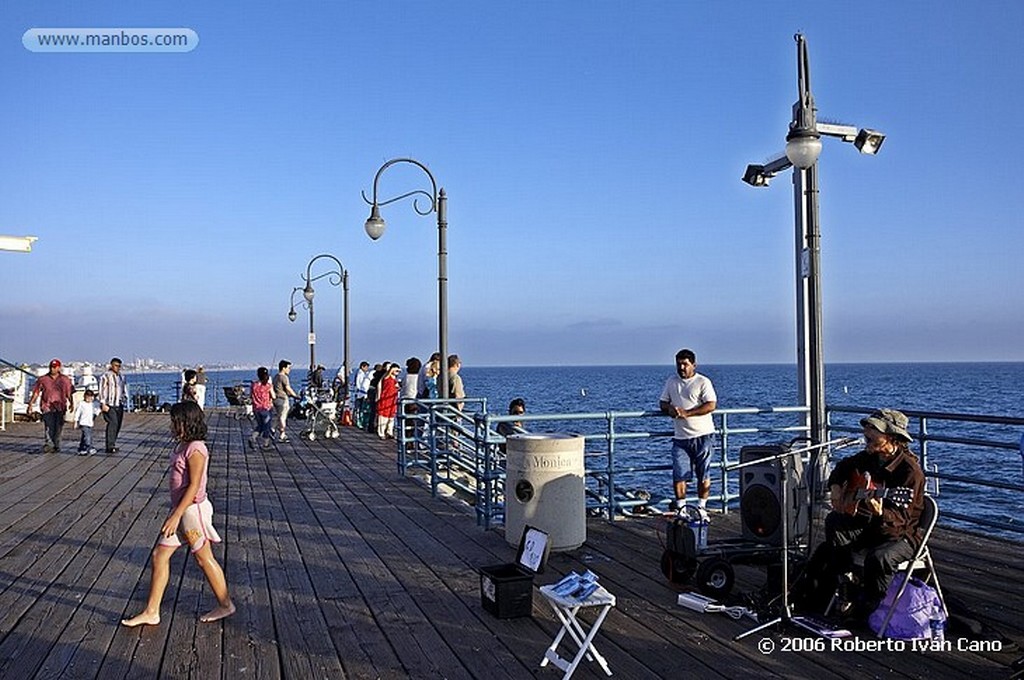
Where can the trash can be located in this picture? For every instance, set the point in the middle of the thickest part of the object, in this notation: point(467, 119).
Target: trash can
point(544, 488)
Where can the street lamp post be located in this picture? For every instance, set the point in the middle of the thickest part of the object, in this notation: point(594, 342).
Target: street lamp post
point(438, 204)
point(803, 146)
point(336, 277)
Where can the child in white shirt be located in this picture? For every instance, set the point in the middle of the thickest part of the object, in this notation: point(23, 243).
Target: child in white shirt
point(85, 414)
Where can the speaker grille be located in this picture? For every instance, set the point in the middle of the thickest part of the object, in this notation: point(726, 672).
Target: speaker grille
point(760, 511)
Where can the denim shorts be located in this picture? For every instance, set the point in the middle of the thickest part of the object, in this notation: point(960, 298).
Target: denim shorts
point(691, 456)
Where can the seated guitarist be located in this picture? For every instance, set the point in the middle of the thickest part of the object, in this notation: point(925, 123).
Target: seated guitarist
point(883, 522)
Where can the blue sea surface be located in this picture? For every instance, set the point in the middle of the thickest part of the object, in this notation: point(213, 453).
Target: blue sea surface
point(966, 388)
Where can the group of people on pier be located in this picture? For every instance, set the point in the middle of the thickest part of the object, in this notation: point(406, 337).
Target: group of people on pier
point(375, 393)
point(54, 392)
point(369, 397)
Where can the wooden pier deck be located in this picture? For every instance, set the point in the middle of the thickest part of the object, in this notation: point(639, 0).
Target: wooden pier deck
point(341, 568)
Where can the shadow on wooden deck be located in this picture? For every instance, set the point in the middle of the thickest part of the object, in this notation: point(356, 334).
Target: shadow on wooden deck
point(340, 568)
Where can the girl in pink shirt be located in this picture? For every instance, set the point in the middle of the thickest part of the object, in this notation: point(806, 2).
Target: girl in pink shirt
point(190, 521)
point(262, 394)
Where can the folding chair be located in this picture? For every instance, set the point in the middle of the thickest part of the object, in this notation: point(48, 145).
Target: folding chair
point(922, 560)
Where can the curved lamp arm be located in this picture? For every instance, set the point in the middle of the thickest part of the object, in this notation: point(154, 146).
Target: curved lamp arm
point(375, 224)
point(291, 311)
point(336, 276)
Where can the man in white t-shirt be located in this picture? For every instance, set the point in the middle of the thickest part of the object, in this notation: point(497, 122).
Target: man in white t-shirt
point(689, 398)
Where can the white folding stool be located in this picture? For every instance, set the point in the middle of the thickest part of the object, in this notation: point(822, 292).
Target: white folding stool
point(566, 609)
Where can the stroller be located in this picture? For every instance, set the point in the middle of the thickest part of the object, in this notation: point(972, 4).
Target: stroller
point(321, 414)
point(238, 399)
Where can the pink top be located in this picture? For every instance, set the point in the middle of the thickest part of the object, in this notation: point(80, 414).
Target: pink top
point(55, 392)
point(262, 396)
point(179, 470)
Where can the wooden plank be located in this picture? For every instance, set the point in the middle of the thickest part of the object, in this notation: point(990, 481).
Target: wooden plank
point(250, 649)
point(74, 535)
point(300, 627)
point(385, 595)
point(394, 548)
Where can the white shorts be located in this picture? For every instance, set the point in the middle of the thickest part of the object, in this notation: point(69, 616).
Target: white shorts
point(195, 528)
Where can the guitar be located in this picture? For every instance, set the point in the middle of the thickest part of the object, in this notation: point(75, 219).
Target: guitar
point(860, 487)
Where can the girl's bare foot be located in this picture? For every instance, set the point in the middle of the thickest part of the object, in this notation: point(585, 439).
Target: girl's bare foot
point(218, 613)
point(143, 619)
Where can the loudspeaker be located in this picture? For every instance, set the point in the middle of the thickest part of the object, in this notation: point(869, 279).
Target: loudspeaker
point(761, 495)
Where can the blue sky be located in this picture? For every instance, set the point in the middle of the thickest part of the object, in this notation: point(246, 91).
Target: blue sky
point(592, 155)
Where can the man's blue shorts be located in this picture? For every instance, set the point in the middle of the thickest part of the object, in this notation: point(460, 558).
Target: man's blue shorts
point(691, 456)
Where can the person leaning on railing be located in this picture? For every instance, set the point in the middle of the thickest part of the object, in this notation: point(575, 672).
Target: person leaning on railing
point(516, 407)
point(456, 390)
point(507, 428)
point(689, 398)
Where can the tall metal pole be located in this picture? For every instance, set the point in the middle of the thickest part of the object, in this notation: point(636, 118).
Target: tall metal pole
point(312, 338)
point(802, 270)
point(344, 313)
point(442, 289)
point(815, 342)
point(810, 355)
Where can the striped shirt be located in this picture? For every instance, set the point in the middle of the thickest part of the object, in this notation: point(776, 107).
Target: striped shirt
point(112, 390)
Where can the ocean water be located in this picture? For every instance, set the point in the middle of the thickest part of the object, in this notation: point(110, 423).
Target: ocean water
point(992, 388)
point(966, 388)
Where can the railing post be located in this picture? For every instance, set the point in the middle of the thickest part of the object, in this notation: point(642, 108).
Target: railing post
point(923, 420)
point(489, 486)
point(433, 450)
point(610, 467)
point(400, 424)
point(724, 448)
point(483, 486)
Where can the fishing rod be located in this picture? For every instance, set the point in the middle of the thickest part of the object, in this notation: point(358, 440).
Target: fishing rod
point(17, 368)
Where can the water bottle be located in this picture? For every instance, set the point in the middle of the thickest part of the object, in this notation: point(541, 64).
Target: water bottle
point(697, 519)
point(937, 623)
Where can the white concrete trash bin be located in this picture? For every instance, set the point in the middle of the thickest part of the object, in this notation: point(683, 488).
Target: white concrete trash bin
point(544, 488)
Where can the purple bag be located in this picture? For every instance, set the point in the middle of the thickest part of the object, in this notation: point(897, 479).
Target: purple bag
point(912, 619)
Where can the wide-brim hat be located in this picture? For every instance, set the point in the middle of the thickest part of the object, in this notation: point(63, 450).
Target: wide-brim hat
point(889, 421)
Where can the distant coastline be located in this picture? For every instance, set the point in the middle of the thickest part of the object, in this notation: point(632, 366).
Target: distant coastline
point(148, 366)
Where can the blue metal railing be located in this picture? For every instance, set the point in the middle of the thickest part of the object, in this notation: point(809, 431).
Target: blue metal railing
point(461, 451)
